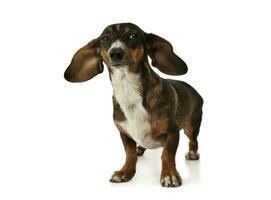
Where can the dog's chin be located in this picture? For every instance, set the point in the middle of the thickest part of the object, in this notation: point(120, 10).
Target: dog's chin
point(119, 66)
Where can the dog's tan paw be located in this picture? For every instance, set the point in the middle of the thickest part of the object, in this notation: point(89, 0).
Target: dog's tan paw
point(192, 155)
point(122, 176)
point(171, 180)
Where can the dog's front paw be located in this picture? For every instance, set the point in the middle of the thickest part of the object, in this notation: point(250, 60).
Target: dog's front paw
point(192, 155)
point(122, 176)
point(171, 180)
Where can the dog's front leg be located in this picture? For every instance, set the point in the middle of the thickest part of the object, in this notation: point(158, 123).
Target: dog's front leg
point(127, 172)
point(169, 175)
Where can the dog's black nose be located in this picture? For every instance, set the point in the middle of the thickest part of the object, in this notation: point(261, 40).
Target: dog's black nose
point(116, 54)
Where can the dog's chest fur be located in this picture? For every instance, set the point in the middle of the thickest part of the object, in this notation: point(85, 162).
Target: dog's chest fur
point(126, 87)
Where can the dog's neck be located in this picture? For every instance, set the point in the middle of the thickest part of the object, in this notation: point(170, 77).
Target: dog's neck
point(144, 75)
point(124, 82)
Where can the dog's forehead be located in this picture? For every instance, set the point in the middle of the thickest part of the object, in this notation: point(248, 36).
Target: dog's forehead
point(122, 28)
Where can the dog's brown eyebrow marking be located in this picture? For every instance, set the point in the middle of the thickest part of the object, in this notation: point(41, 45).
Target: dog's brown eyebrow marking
point(129, 30)
point(109, 29)
point(126, 29)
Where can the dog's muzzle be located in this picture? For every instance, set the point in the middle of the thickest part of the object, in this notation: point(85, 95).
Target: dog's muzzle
point(117, 55)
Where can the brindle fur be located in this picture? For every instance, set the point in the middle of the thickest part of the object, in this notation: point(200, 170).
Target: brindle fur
point(171, 105)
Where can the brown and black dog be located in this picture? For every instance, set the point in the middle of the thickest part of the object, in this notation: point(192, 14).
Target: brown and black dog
point(149, 111)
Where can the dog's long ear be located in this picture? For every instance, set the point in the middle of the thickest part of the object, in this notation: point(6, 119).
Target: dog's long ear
point(163, 57)
point(85, 64)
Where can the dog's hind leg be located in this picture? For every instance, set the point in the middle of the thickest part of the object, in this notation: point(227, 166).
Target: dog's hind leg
point(191, 129)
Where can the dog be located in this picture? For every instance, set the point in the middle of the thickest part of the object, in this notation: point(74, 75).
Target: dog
point(149, 111)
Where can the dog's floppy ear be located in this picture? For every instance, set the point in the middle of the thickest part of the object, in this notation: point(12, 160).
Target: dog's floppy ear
point(85, 64)
point(163, 57)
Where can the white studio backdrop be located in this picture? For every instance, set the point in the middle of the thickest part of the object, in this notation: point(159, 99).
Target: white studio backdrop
point(58, 140)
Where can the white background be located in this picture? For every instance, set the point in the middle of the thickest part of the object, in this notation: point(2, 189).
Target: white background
point(58, 140)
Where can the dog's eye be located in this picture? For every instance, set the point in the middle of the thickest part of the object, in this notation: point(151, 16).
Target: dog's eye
point(133, 36)
point(105, 37)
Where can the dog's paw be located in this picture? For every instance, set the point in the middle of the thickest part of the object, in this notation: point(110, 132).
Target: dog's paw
point(140, 150)
point(122, 176)
point(171, 180)
point(192, 155)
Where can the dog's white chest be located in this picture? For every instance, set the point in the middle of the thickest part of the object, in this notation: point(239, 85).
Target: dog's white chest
point(126, 87)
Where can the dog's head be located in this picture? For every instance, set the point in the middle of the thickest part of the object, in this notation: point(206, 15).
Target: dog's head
point(123, 45)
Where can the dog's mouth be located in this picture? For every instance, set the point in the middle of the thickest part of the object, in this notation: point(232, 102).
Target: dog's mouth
point(118, 65)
